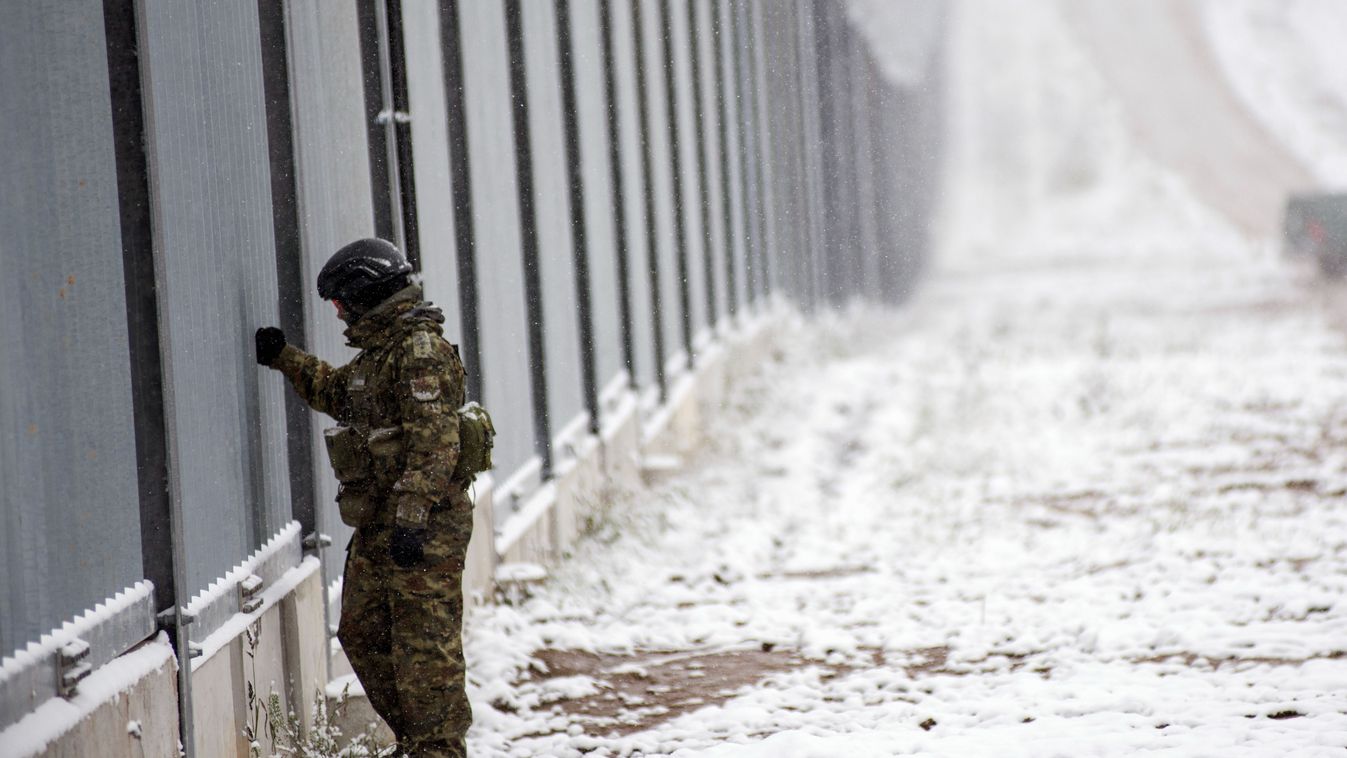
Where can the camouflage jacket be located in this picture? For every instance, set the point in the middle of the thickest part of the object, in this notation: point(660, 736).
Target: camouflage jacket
point(406, 383)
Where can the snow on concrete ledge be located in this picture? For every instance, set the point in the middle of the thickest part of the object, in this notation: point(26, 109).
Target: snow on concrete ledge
point(57, 717)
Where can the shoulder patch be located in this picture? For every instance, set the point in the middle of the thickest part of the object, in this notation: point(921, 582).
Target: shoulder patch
point(423, 345)
point(425, 388)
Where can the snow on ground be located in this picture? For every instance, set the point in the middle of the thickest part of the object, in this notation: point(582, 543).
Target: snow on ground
point(1286, 61)
point(1083, 497)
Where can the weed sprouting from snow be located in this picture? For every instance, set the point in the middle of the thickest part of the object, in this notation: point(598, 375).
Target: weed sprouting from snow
point(284, 734)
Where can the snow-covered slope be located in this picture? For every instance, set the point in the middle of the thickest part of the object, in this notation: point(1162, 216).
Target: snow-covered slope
point(1287, 62)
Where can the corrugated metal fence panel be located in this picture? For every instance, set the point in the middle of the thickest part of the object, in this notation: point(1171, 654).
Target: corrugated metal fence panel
point(67, 449)
point(551, 190)
point(504, 337)
point(592, 103)
point(662, 177)
point(633, 190)
point(332, 171)
point(688, 112)
point(430, 137)
point(216, 270)
point(706, 10)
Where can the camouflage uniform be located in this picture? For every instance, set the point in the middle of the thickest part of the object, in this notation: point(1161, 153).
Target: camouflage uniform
point(402, 628)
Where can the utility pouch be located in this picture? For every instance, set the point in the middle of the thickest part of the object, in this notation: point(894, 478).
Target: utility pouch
point(353, 502)
point(348, 453)
point(476, 435)
point(386, 442)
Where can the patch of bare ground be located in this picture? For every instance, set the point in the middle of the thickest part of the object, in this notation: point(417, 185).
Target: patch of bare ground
point(935, 660)
point(1194, 660)
point(839, 572)
point(642, 690)
point(1091, 504)
point(1296, 565)
point(1293, 485)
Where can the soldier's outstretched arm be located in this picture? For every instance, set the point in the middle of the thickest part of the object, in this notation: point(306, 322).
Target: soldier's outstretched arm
point(316, 382)
point(430, 378)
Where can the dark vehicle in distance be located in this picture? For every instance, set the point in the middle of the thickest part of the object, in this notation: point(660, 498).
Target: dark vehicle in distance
point(1316, 226)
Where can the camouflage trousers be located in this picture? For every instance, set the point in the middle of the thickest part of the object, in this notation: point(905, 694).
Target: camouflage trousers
point(402, 629)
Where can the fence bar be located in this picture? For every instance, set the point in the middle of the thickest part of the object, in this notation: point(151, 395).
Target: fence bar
point(160, 516)
point(703, 179)
point(647, 163)
point(761, 140)
point(676, 167)
point(375, 133)
point(747, 194)
point(404, 188)
point(528, 235)
point(460, 177)
point(614, 123)
point(290, 285)
point(579, 239)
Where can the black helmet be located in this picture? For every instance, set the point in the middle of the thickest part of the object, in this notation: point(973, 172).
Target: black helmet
point(364, 274)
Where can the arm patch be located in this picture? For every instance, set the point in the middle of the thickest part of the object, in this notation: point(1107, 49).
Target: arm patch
point(425, 388)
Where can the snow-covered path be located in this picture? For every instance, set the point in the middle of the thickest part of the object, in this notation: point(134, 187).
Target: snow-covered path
point(1082, 497)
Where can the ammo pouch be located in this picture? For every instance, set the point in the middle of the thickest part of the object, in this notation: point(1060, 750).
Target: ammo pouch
point(476, 435)
point(349, 454)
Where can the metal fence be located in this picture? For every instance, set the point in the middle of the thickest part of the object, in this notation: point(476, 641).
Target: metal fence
point(592, 189)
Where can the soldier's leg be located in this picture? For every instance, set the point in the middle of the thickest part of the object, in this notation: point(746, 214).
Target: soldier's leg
point(428, 638)
point(428, 655)
point(366, 635)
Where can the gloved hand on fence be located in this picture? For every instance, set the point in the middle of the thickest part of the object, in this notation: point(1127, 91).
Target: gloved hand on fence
point(270, 343)
point(406, 547)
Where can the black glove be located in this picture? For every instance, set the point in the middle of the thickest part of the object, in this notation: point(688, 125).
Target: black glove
point(406, 547)
point(270, 342)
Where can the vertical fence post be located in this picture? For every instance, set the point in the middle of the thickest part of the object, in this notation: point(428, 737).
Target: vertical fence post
point(528, 234)
point(290, 285)
point(761, 141)
point(385, 121)
point(289, 256)
point(160, 516)
point(803, 107)
point(722, 120)
point(863, 160)
point(747, 194)
point(676, 168)
point(804, 221)
point(460, 177)
point(838, 149)
point(703, 179)
point(847, 158)
point(570, 115)
point(615, 175)
point(375, 132)
point(826, 146)
point(400, 123)
point(647, 165)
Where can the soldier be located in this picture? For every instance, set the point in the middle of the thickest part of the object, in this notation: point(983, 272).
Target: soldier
point(395, 453)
